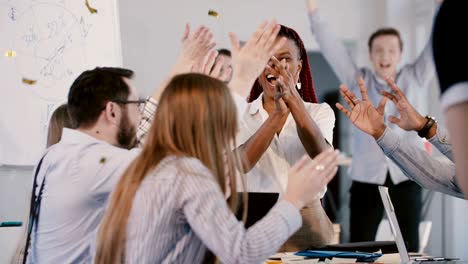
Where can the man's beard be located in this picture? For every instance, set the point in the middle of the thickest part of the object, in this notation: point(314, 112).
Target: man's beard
point(126, 136)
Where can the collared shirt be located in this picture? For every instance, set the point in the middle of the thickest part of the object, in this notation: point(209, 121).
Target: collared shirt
point(81, 171)
point(179, 211)
point(369, 163)
point(270, 174)
point(429, 172)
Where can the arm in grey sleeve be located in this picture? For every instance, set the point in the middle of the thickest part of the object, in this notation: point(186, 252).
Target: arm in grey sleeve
point(416, 164)
point(441, 141)
point(423, 68)
point(209, 216)
point(334, 51)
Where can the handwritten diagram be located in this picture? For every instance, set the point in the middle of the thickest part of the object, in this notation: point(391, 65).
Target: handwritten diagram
point(52, 41)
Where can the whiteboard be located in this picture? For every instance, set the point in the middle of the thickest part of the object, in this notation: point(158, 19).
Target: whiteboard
point(54, 42)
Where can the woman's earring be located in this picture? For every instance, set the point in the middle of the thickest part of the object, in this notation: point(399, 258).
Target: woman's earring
point(298, 85)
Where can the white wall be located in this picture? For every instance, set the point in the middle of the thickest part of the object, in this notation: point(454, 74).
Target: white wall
point(151, 30)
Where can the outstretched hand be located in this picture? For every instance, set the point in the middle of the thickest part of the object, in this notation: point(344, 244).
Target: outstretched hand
point(249, 61)
point(410, 119)
point(194, 55)
point(195, 48)
point(312, 6)
point(362, 113)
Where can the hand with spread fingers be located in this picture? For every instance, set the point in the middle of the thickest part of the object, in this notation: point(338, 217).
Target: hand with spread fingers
point(194, 55)
point(409, 119)
point(195, 47)
point(362, 113)
point(249, 61)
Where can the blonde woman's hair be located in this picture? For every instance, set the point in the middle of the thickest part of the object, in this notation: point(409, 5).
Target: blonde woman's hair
point(196, 117)
point(59, 119)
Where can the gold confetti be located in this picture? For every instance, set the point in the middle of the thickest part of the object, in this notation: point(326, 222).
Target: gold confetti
point(29, 81)
point(10, 53)
point(102, 160)
point(213, 13)
point(91, 10)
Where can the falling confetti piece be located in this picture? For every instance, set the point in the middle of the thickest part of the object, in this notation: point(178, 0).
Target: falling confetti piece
point(213, 13)
point(91, 10)
point(29, 81)
point(102, 160)
point(10, 53)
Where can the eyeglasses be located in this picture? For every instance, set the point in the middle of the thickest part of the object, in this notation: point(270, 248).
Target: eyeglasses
point(140, 103)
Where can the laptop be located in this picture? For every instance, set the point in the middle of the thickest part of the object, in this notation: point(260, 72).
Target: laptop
point(390, 211)
point(259, 204)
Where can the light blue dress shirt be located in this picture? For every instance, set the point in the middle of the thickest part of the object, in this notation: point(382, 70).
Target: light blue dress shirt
point(81, 172)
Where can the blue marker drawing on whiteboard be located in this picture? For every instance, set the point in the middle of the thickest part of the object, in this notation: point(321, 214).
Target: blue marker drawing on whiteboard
point(12, 14)
point(53, 41)
point(30, 36)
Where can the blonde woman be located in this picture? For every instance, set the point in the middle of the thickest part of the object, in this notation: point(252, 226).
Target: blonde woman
point(60, 119)
point(170, 206)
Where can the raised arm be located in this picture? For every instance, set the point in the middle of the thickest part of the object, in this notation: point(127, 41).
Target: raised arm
point(307, 129)
point(196, 56)
point(248, 62)
point(317, 229)
point(423, 68)
point(253, 148)
point(331, 47)
point(195, 47)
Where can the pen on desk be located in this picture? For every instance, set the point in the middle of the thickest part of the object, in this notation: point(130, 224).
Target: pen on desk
point(11, 223)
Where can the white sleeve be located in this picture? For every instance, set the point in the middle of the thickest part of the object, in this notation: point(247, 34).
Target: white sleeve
point(325, 120)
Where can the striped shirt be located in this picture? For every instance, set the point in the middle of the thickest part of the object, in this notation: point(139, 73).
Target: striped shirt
point(146, 120)
point(179, 212)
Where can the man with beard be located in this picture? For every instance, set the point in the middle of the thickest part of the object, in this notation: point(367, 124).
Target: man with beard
point(76, 175)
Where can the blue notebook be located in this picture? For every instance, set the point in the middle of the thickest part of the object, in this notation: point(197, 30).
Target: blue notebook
point(359, 256)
